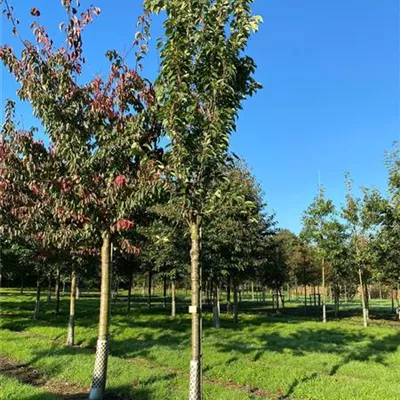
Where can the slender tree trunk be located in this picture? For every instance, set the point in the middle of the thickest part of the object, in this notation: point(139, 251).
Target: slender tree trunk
point(337, 298)
point(100, 367)
point(305, 299)
point(149, 289)
point(63, 289)
point(282, 297)
point(216, 309)
point(367, 299)
point(78, 291)
point(363, 303)
point(323, 293)
point(37, 303)
point(195, 387)
point(345, 294)
point(165, 292)
point(144, 288)
point(228, 295)
point(235, 303)
point(72, 301)
point(252, 290)
point(57, 307)
point(173, 305)
point(130, 291)
point(49, 291)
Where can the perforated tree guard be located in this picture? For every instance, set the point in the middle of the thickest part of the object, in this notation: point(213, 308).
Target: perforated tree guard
point(100, 371)
point(195, 389)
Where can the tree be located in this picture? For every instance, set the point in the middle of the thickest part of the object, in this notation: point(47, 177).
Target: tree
point(358, 217)
point(316, 221)
point(203, 79)
point(110, 124)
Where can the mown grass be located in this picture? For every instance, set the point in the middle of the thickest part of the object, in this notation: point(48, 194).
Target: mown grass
point(267, 355)
point(12, 389)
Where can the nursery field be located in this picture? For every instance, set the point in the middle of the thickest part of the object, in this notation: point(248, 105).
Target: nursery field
point(268, 355)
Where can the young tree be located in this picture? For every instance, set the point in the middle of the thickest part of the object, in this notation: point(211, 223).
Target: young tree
point(204, 77)
point(315, 224)
point(111, 127)
point(358, 217)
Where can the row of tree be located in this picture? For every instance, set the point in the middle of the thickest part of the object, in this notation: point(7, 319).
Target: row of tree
point(104, 172)
point(138, 175)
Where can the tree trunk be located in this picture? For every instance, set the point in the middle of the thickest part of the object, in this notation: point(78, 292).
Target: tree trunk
point(100, 367)
point(282, 297)
point(37, 303)
point(367, 299)
point(173, 305)
point(72, 301)
point(235, 303)
point(216, 308)
point(144, 288)
point(63, 289)
point(337, 298)
point(228, 295)
point(149, 290)
point(165, 292)
point(57, 307)
point(252, 290)
point(195, 387)
point(130, 291)
point(305, 299)
point(323, 293)
point(78, 291)
point(363, 303)
point(49, 291)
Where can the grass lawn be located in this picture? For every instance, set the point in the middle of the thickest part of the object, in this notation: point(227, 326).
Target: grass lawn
point(266, 356)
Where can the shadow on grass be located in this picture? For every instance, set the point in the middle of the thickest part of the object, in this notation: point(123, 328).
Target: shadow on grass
point(136, 394)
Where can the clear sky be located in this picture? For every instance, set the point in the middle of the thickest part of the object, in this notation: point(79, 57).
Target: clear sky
point(330, 101)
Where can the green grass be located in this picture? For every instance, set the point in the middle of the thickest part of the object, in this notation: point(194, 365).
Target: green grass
point(12, 389)
point(267, 355)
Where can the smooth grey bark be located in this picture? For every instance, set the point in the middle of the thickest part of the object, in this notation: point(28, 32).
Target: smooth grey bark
point(363, 300)
point(173, 304)
point(216, 307)
point(323, 293)
point(195, 385)
point(37, 302)
point(100, 367)
point(72, 303)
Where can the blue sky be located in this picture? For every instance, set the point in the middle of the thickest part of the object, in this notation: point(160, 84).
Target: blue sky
point(330, 102)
